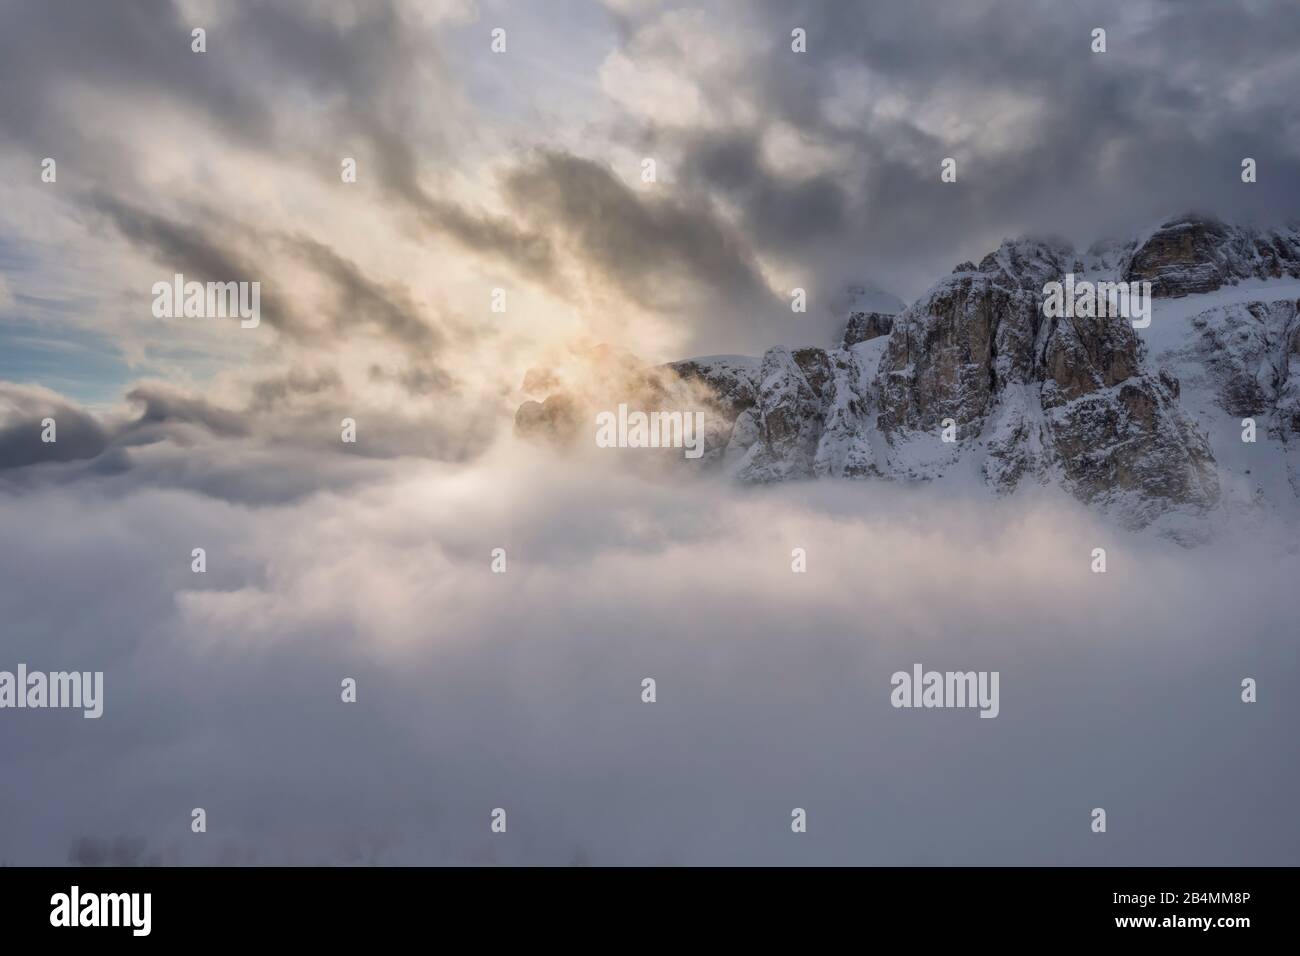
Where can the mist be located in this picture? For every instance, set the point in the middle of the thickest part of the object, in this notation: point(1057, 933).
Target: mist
point(522, 690)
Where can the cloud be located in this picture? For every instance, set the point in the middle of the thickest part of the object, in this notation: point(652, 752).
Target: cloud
point(165, 404)
point(185, 247)
point(202, 254)
point(777, 169)
point(142, 51)
point(522, 689)
point(389, 308)
point(282, 442)
point(23, 408)
point(663, 253)
point(1049, 136)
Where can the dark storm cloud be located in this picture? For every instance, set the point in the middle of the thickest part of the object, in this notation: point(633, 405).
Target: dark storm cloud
point(368, 71)
point(141, 48)
point(1117, 141)
point(346, 71)
point(647, 246)
point(270, 392)
point(494, 237)
point(188, 247)
point(203, 248)
point(278, 445)
point(417, 378)
point(166, 405)
point(360, 298)
point(181, 443)
point(78, 435)
point(358, 81)
point(794, 209)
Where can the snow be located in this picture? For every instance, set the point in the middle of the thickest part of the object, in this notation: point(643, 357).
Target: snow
point(1171, 326)
point(1258, 481)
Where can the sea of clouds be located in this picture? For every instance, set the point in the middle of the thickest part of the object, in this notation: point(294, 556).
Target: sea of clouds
point(522, 690)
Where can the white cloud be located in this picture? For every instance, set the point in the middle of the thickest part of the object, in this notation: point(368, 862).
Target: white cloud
point(478, 690)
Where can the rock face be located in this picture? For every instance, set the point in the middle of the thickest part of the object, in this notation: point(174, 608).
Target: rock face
point(865, 326)
point(557, 419)
point(1193, 254)
point(789, 415)
point(1288, 393)
point(1252, 353)
point(870, 311)
point(974, 376)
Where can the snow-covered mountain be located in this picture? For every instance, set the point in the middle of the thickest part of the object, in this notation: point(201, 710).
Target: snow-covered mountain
point(1146, 424)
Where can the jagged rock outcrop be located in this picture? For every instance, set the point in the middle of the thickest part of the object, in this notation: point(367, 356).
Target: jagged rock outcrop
point(1288, 394)
point(870, 312)
point(729, 379)
point(951, 353)
point(1035, 395)
point(865, 326)
point(558, 419)
point(788, 416)
point(1193, 254)
point(1252, 353)
point(974, 372)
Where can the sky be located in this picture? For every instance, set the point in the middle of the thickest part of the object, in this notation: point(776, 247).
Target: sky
point(522, 171)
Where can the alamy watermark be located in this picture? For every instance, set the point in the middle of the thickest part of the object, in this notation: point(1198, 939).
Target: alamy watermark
point(37, 689)
point(626, 429)
point(179, 299)
point(923, 688)
point(1098, 300)
point(75, 908)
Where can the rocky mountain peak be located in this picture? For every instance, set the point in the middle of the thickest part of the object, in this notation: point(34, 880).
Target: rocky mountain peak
point(1029, 263)
point(1194, 253)
point(870, 311)
point(973, 374)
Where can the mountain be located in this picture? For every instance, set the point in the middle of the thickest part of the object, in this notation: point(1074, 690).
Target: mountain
point(974, 380)
point(1196, 254)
